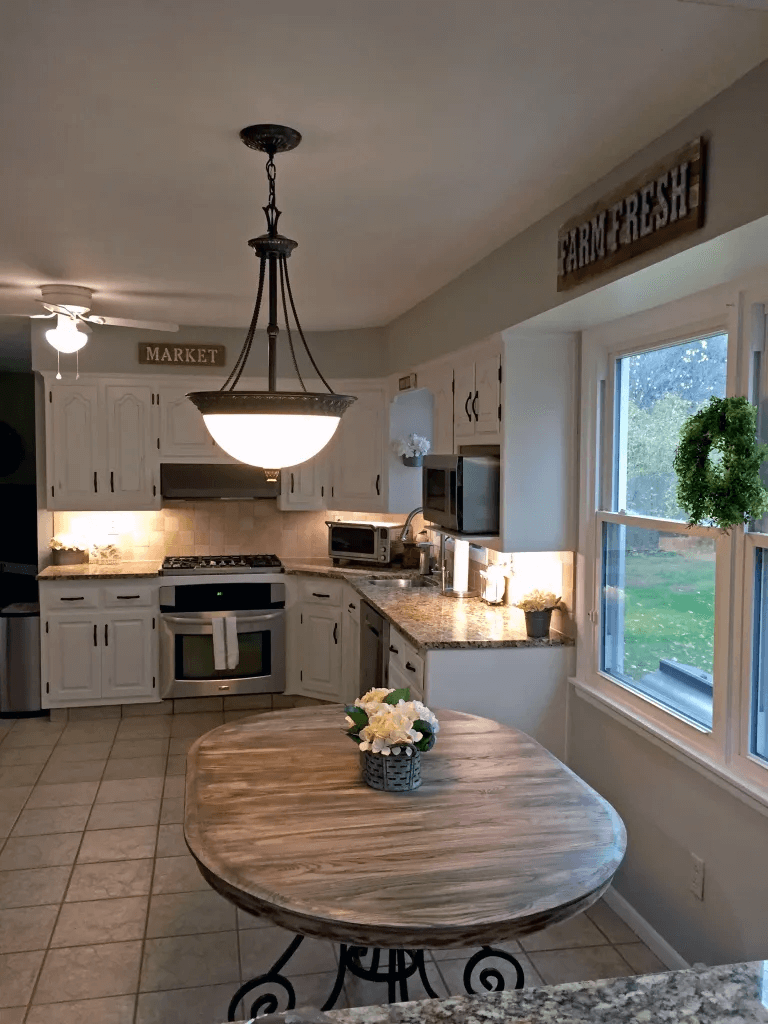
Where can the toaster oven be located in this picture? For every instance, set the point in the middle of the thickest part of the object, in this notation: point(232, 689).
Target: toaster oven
point(362, 542)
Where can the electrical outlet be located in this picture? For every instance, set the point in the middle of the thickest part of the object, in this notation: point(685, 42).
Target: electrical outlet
point(696, 883)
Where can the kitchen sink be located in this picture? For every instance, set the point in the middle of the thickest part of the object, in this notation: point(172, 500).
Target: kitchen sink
point(402, 582)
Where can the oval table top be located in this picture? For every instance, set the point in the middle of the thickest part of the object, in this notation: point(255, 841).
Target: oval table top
point(500, 840)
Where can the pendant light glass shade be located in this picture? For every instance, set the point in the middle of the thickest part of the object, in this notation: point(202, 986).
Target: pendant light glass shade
point(272, 429)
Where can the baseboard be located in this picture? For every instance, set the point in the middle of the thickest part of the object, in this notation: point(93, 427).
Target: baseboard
point(668, 956)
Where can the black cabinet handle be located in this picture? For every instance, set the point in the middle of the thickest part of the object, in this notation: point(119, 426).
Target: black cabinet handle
point(95, 483)
point(112, 482)
point(410, 667)
point(95, 640)
point(378, 482)
point(292, 483)
point(374, 630)
point(352, 607)
point(335, 632)
point(106, 635)
point(71, 598)
point(474, 406)
point(319, 595)
point(393, 649)
point(128, 597)
point(466, 407)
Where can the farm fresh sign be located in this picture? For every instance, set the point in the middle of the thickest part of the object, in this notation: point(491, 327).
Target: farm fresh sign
point(152, 354)
point(662, 203)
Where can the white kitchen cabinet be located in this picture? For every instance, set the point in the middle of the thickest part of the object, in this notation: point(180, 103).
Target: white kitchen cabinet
point(129, 656)
point(356, 455)
point(74, 447)
point(439, 381)
point(183, 433)
point(477, 399)
point(71, 661)
point(320, 640)
point(304, 487)
point(131, 434)
point(350, 646)
point(406, 666)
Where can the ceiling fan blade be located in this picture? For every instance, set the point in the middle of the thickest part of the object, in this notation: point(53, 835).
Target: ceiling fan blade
point(41, 316)
point(147, 325)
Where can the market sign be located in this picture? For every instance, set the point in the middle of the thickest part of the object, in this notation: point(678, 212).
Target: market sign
point(661, 204)
point(152, 354)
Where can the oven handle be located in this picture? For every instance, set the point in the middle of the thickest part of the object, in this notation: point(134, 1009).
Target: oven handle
point(195, 619)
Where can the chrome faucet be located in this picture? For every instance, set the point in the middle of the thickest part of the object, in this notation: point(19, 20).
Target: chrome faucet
point(408, 521)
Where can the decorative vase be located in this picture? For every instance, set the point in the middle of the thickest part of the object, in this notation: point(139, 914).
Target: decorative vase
point(537, 623)
point(413, 460)
point(396, 773)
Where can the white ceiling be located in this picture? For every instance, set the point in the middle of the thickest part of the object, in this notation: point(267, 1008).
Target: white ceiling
point(433, 130)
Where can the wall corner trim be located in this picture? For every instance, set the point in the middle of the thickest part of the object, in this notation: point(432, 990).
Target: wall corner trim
point(655, 942)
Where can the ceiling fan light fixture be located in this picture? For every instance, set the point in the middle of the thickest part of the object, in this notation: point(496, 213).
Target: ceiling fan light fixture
point(272, 429)
point(68, 335)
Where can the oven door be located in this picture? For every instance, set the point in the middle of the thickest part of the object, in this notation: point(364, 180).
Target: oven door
point(188, 666)
point(440, 491)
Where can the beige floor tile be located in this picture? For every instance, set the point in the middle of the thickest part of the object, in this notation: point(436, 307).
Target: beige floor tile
point(155, 727)
point(20, 739)
point(186, 961)
point(90, 732)
point(579, 931)
point(111, 1010)
point(134, 768)
point(83, 771)
point(261, 947)
point(236, 716)
point(118, 844)
point(246, 921)
point(33, 887)
point(177, 874)
point(163, 707)
point(47, 821)
point(189, 913)
point(371, 993)
point(190, 1005)
point(129, 790)
point(589, 963)
point(12, 1014)
point(26, 928)
point(94, 713)
point(97, 921)
point(139, 748)
point(177, 765)
point(189, 705)
point(37, 727)
point(89, 972)
point(39, 851)
point(7, 821)
point(180, 745)
point(195, 725)
point(23, 755)
point(640, 958)
point(13, 798)
point(170, 841)
point(465, 953)
point(18, 972)
point(172, 811)
point(124, 815)
point(65, 794)
point(610, 924)
point(174, 787)
point(20, 775)
point(110, 880)
point(452, 972)
point(77, 752)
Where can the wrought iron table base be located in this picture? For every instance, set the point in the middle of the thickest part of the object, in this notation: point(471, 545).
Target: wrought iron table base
point(401, 964)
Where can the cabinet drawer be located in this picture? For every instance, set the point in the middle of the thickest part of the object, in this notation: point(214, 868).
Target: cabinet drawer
point(320, 591)
point(352, 605)
point(126, 597)
point(407, 659)
point(62, 597)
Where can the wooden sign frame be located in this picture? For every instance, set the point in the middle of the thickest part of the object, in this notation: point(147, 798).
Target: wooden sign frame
point(662, 203)
point(154, 353)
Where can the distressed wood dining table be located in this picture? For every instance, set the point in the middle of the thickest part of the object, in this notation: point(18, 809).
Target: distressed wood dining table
point(501, 840)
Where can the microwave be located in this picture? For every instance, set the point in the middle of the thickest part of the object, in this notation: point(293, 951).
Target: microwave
point(362, 542)
point(461, 492)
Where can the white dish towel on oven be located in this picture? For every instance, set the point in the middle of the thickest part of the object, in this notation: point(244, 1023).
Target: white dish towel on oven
point(233, 646)
point(219, 645)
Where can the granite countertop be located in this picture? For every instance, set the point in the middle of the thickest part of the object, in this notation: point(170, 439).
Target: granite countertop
point(423, 615)
point(737, 993)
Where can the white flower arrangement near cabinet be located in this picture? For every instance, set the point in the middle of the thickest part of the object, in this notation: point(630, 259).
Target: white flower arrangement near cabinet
point(387, 721)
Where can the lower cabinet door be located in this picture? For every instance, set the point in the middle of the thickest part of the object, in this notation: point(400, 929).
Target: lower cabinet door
point(71, 660)
point(350, 650)
point(129, 666)
point(320, 638)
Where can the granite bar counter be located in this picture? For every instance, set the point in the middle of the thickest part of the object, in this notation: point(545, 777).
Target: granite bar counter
point(102, 570)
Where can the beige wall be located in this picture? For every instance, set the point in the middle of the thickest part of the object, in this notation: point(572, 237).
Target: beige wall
point(670, 811)
point(519, 280)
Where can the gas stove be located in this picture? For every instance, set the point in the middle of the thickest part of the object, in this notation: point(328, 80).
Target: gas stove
point(193, 565)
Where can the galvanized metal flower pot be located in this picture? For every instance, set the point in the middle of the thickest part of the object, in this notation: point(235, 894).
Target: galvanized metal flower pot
point(537, 623)
point(413, 460)
point(396, 773)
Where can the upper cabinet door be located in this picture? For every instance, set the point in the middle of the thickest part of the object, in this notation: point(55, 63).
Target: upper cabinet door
point(439, 381)
point(486, 404)
point(464, 395)
point(76, 477)
point(304, 487)
point(356, 456)
point(183, 434)
point(131, 447)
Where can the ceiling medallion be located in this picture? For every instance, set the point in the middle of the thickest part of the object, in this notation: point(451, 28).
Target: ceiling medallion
point(272, 428)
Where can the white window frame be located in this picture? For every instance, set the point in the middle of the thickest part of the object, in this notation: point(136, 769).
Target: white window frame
point(722, 752)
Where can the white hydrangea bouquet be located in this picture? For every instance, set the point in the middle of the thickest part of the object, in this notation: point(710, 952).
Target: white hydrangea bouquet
point(390, 727)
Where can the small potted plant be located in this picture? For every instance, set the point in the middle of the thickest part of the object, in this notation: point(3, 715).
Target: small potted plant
point(538, 606)
point(412, 449)
point(392, 732)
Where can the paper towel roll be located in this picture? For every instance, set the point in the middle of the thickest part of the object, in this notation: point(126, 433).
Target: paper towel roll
point(461, 565)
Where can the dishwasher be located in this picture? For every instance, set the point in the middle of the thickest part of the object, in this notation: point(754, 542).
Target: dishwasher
point(374, 648)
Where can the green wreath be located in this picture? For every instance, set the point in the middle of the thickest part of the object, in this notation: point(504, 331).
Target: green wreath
point(727, 493)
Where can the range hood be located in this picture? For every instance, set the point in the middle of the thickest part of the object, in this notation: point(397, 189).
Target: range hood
point(201, 480)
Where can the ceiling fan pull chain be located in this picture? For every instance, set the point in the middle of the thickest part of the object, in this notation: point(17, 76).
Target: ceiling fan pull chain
point(77, 364)
point(58, 365)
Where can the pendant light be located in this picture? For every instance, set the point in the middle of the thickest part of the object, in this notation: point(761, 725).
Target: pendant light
point(272, 428)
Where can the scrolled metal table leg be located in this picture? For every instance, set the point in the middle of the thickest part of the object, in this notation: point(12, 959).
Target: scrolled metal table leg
point(491, 978)
point(268, 1002)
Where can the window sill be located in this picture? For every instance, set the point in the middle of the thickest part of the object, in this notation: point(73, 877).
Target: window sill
point(750, 793)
